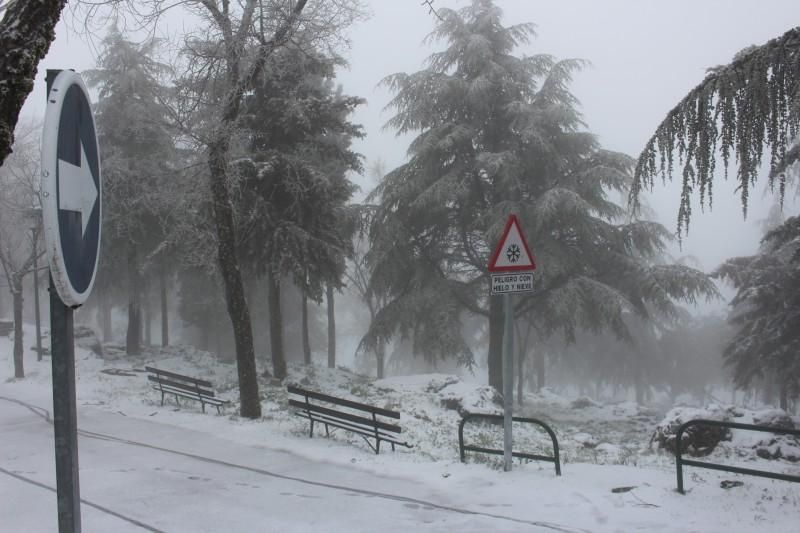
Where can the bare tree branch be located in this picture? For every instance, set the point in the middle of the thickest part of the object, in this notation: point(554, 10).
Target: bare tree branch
point(431, 9)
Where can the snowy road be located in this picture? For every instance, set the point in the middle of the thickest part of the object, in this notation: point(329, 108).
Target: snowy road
point(138, 475)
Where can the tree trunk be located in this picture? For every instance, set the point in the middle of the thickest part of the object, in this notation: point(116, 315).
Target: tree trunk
point(784, 395)
point(36, 310)
point(19, 368)
point(520, 375)
point(147, 317)
point(133, 336)
point(331, 326)
point(162, 285)
point(306, 341)
point(380, 360)
point(26, 31)
point(768, 392)
point(639, 386)
point(132, 344)
point(539, 362)
point(105, 316)
point(205, 336)
point(495, 358)
point(235, 299)
point(276, 326)
point(239, 82)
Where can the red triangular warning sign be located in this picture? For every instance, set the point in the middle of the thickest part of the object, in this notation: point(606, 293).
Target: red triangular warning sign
point(513, 253)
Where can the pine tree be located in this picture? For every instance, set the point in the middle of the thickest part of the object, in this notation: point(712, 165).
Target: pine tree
point(293, 214)
point(766, 312)
point(500, 134)
point(137, 150)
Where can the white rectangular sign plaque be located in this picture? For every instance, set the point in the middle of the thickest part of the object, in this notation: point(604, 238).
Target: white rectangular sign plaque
point(512, 282)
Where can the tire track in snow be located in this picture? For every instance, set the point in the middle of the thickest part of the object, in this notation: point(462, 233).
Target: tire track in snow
point(43, 413)
point(86, 502)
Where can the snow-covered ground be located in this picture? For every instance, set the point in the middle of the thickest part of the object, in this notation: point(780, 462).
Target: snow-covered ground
point(168, 469)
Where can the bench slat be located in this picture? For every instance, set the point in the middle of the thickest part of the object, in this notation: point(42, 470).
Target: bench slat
point(346, 403)
point(347, 416)
point(367, 432)
point(210, 400)
point(182, 386)
point(201, 382)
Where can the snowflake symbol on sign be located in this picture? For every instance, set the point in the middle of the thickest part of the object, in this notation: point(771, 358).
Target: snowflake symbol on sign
point(513, 253)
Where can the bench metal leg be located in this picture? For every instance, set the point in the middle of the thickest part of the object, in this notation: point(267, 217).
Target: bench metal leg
point(218, 411)
point(162, 398)
point(203, 406)
point(311, 433)
point(377, 438)
point(327, 433)
point(369, 442)
point(393, 446)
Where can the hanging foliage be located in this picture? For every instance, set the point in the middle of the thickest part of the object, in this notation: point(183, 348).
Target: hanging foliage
point(738, 109)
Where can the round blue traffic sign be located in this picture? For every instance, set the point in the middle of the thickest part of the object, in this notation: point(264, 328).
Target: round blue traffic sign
point(71, 188)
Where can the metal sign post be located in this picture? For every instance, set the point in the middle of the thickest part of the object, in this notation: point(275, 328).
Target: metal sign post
point(512, 267)
point(65, 416)
point(508, 378)
point(71, 214)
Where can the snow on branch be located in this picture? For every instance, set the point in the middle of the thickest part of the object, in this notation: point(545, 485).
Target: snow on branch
point(738, 108)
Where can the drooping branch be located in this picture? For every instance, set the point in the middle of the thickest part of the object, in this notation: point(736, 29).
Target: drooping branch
point(737, 110)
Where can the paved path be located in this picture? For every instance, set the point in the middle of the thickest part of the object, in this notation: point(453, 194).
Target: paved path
point(139, 475)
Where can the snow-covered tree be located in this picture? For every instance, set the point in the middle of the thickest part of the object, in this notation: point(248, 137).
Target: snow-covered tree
point(292, 186)
point(243, 36)
point(766, 312)
point(737, 110)
point(138, 155)
point(359, 269)
point(20, 225)
point(499, 134)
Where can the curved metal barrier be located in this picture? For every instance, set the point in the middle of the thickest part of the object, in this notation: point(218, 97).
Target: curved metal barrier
point(680, 461)
point(462, 448)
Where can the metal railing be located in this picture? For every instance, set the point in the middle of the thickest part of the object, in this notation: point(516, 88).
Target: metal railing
point(680, 461)
point(462, 448)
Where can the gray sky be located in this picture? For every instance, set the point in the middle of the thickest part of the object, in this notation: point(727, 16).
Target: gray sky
point(645, 56)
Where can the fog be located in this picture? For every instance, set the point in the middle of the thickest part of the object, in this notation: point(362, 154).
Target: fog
point(645, 56)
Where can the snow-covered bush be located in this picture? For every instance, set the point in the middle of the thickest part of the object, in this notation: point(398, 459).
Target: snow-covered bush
point(697, 440)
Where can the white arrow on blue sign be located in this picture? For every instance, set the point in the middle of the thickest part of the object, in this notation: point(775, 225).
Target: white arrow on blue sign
point(71, 189)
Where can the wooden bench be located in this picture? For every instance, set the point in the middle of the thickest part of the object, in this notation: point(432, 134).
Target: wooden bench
point(362, 419)
point(178, 385)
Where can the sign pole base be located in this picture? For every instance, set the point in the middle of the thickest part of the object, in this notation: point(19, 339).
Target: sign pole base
point(65, 419)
